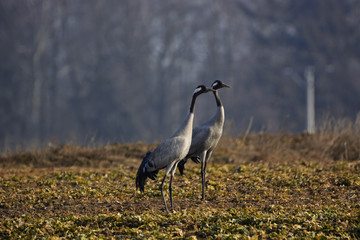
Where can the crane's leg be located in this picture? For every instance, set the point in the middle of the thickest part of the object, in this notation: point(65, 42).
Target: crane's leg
point(207, 157)
point(168, 168)
point(203, 180)
point(202, 159)
point(203, 173)
point(170, 190)
point(173, 170)
point(162, 193)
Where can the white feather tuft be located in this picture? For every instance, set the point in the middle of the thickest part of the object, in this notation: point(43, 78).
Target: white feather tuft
point(197, 90)
point(215, 84)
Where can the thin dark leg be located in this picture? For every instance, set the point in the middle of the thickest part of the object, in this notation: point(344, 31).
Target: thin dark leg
point(206, 159)
point(162, 193)
point(203, 180)
point(173, 170)
point(170, 190)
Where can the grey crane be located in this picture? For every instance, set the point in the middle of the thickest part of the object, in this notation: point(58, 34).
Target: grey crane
point(206, 136)
point(169, 153)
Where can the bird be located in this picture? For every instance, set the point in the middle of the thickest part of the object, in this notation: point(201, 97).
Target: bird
point(168, 153)
point(206, 136)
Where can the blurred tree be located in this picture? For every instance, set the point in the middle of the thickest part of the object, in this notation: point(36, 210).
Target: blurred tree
point(124, 71)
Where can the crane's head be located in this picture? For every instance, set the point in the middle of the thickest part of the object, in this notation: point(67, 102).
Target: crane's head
point(219, 84)
point(202, 89)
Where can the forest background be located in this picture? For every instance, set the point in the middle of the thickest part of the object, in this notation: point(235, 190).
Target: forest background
point(124, 71)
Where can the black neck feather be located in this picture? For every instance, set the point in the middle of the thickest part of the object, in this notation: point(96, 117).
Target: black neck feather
point(217, 98)
point(192, 106)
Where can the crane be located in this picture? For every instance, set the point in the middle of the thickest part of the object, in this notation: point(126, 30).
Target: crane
point(206, 136)
point(169, 153)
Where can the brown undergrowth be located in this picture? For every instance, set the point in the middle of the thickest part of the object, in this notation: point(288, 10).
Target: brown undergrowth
point(270, 148)
point(258, 186)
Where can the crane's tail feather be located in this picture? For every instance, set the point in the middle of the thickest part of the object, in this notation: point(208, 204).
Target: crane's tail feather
point(143, 174)
point(153, 175)
point(181, 165)
point(196, 159)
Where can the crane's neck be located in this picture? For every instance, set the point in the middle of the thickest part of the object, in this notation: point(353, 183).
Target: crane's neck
point(192, 105)
point(187, 126)
point(219, 116)
point(217, 98)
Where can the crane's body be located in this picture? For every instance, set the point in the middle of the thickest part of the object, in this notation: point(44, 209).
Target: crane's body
point(170, 152)
point(206, 136)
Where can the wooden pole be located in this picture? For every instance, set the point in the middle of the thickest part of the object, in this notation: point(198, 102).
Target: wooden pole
point(310, 103)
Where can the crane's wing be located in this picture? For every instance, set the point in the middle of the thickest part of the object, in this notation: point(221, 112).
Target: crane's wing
point(199, 141)
point(168, 151)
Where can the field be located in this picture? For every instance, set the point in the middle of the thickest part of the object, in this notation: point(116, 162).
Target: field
point(258, 186)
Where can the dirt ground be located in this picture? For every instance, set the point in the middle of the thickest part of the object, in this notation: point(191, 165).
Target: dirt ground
point(299, 185)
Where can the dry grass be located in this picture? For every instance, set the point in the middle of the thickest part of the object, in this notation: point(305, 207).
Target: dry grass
point(261, 185)
point(271, 148)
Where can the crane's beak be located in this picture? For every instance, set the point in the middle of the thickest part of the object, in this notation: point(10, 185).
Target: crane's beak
point(227, 86)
